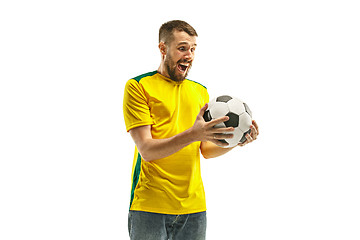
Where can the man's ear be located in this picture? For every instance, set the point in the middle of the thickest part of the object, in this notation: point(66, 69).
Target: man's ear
point(162, 48)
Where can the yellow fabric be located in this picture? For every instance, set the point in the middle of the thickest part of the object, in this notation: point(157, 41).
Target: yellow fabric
point(170, 185)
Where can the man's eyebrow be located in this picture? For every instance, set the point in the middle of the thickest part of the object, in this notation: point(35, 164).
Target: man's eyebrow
point(186, 43)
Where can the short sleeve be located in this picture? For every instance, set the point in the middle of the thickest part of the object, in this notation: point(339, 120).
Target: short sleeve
point(206, 94)
point(135, 107)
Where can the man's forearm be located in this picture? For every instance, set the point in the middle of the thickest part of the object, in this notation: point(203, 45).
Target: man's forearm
point(210, 150)
point(153, 149)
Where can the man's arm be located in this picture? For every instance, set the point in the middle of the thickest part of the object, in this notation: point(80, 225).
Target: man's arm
point(211, 150)
point(151, 149)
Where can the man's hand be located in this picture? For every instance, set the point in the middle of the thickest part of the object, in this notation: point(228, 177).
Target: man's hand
point(205, 131)
point(253, 134)
point(210, 150)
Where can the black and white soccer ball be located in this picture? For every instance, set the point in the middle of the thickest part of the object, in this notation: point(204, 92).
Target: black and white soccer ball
point(240, 117)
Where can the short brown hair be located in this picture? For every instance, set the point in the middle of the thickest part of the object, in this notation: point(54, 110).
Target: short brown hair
point(166, 30)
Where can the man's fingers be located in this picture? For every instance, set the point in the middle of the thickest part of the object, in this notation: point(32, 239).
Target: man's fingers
point(256, 126)
point(212, 123)
point(203, 109)
point(219, 143)
point(222, 130)
point(254, 132)
point(219, 136)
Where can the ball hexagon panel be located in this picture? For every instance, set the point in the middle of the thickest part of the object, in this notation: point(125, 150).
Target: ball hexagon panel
point(218, 109)
point(236, 106)
point(244, 122)
point(235, 139)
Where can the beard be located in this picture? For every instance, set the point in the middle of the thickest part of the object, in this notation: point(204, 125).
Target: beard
point(173, 71)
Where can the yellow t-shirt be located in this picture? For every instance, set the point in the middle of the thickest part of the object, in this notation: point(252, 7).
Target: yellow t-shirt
point(171, 185)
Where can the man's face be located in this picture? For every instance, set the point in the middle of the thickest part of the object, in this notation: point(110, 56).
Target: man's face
point(180, 54)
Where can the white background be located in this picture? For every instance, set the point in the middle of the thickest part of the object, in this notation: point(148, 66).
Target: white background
point(65, 155)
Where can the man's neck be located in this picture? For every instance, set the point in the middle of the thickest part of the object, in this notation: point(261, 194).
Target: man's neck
point(162, 70)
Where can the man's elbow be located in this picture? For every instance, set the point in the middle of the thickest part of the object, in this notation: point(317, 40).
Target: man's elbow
point(146, 154)
point(204, 152)
point(146, 158)
point(207, 156)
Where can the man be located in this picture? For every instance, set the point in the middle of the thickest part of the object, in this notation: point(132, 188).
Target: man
point(163, 113)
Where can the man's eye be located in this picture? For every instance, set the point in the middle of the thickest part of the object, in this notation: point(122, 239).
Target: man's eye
point(182, 48)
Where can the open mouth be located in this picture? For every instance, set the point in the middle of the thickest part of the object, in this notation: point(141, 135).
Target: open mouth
point(182, 67)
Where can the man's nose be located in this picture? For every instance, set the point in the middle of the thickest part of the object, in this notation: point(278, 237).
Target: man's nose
point(189, 55)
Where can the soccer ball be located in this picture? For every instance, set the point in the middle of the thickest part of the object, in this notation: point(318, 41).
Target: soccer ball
point(240, 117)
